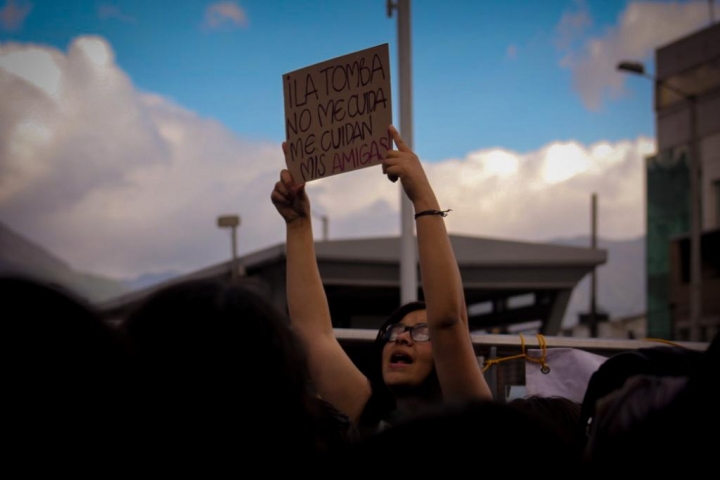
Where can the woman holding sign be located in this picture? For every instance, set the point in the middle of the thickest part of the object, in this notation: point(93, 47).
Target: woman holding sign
point(424, 353)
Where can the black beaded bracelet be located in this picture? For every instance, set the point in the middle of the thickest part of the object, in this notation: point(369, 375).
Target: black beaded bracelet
point(442, 213)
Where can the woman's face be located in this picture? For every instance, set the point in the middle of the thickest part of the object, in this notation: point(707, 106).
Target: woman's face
point(407, 362)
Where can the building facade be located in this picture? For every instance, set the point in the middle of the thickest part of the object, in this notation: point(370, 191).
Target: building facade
point(687, 106)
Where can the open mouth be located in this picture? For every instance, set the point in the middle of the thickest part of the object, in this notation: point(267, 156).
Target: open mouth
point(400, 359)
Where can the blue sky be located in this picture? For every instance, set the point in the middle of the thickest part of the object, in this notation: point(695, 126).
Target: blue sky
point(486, 74)
point(127, 127)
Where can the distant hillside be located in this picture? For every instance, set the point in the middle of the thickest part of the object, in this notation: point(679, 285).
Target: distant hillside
point(19, 255)
point(620, 282)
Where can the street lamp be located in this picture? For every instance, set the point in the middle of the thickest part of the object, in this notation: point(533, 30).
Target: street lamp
point(325, 225)
point(232, 222)
point(695, 197)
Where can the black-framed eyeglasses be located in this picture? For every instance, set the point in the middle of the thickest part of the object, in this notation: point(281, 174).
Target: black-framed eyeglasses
point(419, 332)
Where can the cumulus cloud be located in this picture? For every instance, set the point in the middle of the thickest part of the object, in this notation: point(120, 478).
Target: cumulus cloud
point(225, 15)
point(106, 11)
point(118, 181)
point(545, 193)
point(13, 15)
point(121, 182)
point(641, 28)
point(534, 196)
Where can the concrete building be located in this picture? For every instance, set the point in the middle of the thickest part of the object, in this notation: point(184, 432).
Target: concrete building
point(692, 66)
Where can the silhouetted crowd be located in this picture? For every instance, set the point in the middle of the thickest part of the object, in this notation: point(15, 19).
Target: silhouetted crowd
point(206, 375)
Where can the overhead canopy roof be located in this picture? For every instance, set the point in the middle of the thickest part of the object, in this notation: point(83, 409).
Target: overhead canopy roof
point(362, 278)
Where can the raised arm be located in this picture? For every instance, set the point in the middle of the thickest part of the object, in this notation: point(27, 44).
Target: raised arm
point(336, 377)
point(457, 367)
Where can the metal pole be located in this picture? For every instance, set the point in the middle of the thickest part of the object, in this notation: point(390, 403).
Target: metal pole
point(695, 226)
point(325, 225)
point(408, 255)
point(593, 278)
point(232, 222)
point(235, 271)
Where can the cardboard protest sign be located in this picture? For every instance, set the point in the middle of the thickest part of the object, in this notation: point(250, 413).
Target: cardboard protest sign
point(337, 114)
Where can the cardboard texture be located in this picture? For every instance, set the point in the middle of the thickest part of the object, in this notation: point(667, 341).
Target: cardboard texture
point(337, 114)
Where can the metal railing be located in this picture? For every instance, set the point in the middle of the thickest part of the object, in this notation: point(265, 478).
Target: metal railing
point(358, 342)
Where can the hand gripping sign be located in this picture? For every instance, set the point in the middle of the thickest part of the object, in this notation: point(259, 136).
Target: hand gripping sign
point(337, 114)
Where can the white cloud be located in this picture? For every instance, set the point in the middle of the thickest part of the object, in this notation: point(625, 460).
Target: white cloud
point(548, 195)
point(121, 182)
point(225, 15)
point(114, 180)
point(13, 15)
point(641, 28)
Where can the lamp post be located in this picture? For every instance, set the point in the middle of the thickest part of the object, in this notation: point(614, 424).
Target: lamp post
point(695, 197)
point(408, 257)
point(325, 225)
point(232, 222)
point(593, 277)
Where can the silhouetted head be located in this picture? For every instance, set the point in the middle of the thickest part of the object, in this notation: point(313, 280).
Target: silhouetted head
point(559, 413)
point(223, 363)
point(207, 331)
point(661, 419)
point(63, 371)
point(55, 338)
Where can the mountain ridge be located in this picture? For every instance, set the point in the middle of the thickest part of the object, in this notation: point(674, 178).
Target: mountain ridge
point(620, 282)
point(20, 256)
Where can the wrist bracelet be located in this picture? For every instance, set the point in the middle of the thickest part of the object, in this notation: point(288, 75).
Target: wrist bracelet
point(442, 213)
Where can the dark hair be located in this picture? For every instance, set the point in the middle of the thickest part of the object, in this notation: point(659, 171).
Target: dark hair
point(221, 357)
point(616, 370)
point(666, 408)
point(503, 434)
point(382, 400)
point(558, 413)
point(64, 371)
point(54, 335)
point(211, 328)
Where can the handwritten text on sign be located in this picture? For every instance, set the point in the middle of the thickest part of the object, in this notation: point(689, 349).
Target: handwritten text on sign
point(337, 114)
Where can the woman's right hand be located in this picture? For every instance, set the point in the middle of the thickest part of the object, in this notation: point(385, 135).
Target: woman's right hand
point(289, 197)
point(405, 165)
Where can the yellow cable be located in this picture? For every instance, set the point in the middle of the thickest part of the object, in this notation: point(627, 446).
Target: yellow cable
point(542, 344)
point(494, 361)
point(661, 340)
point(545, 368)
